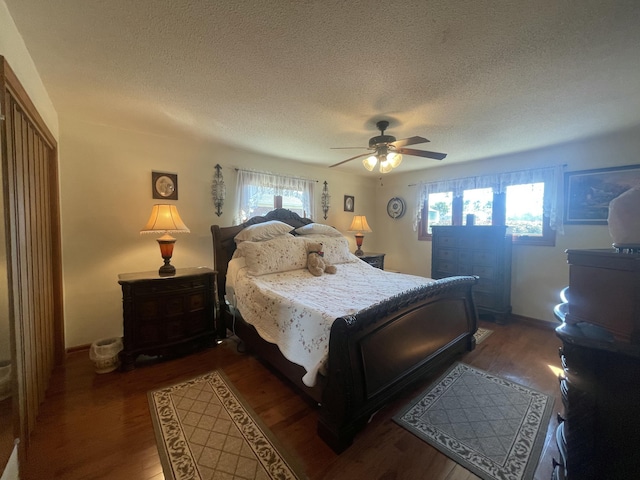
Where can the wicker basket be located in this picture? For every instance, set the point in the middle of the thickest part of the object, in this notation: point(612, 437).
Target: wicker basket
point(104, 354)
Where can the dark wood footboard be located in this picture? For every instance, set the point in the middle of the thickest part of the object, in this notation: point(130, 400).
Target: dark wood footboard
point(376, 353)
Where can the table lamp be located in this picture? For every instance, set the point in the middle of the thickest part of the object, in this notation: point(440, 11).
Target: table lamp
point(165, 219)
point(359, 225)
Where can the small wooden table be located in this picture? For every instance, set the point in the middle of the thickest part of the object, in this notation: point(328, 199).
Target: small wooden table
point(374, 259)
point(167, 315)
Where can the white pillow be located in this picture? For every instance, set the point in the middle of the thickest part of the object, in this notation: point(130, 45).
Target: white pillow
point(318, 228)
point(263, 231)
point(336, 250)
point(280, 254)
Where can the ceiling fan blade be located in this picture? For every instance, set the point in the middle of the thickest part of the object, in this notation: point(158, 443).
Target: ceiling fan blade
point(408, 141)
point(421, 153)
point(349, 159)
point(347, 148)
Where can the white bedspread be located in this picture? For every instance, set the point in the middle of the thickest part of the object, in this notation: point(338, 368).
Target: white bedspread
point(295, 310)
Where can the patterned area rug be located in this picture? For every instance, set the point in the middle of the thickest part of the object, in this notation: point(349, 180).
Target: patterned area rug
point(482, 334)
point(493, 427)
point(204, 431)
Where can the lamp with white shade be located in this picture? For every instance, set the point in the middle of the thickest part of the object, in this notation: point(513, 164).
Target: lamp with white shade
point(165, 219)
point(360, 226)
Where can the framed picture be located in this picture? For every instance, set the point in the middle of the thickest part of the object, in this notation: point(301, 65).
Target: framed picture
point(589, 192)
point(164, 185)
point(349, 202)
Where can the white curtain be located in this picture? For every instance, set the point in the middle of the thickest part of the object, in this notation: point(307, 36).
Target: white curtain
point(253, 185)
point(551, 176)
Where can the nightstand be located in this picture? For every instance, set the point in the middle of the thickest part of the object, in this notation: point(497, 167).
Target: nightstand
point(167, 315)
point(374, 259)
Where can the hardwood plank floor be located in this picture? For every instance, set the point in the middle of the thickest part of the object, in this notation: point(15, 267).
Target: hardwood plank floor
point(99, 427)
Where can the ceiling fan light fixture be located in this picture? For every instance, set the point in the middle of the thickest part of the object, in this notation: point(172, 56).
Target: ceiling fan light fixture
point(385, 166)
point(370, 162)
point(394, 159)
point(389, 151)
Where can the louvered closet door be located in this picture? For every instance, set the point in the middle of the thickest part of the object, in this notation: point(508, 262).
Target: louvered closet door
point(33, 234)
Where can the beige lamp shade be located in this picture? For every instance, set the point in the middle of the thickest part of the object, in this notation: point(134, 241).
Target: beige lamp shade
point(165, 218)
point(359, 224)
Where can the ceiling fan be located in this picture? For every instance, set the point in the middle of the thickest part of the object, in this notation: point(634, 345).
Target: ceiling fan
point(388, 151)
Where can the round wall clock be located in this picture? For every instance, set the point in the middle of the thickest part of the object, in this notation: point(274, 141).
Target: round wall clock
point(396, 207)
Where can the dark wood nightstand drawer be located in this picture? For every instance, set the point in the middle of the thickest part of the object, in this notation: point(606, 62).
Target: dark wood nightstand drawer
point(374, 259)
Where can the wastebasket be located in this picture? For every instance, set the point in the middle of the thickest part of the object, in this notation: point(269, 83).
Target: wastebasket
point(104, 354)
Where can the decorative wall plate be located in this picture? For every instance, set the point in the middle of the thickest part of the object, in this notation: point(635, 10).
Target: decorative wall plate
point(396, 207)
point(164, 185)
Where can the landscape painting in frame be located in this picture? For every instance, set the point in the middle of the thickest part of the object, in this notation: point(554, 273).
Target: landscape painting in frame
point(590, 191)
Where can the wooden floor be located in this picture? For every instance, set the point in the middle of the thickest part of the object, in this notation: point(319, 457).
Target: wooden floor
point(99, 427)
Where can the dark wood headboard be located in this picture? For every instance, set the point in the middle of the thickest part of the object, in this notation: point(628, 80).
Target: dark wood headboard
point(224, 244)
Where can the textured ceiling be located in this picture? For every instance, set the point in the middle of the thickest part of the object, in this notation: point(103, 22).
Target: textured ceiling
point(478, 78)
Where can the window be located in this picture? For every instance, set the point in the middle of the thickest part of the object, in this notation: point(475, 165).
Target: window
point(479, 203)
point(524, 208)
point(440, 208)
point(527, 207)
point(259, 193)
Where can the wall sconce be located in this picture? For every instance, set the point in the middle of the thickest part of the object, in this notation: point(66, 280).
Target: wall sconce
point(359, 225)
point(325, 199)
point(218, 190)
point(165, 219)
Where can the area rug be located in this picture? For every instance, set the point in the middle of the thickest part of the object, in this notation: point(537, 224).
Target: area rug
point(482, 334)
point(493, 427)
point(205, 431)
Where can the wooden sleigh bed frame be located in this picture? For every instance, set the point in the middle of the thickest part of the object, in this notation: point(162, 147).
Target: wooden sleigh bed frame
point(374, 354)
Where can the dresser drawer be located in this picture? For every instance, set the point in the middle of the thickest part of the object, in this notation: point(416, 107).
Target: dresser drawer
point(486, 300)
point(486, 274)
point(445, 269)
point(447, 254)
point(444, 241)
point(484, 257)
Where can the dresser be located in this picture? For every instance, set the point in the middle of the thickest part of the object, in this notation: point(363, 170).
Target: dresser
point(167, 315)
point(484, 251)
point(598, 435)
point(374, 259)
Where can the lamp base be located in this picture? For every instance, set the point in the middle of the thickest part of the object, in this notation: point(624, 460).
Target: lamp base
point(166, 243)
point(359, 239)
point(167, 270)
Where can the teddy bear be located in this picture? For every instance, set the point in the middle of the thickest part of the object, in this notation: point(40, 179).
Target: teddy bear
point(315, 260)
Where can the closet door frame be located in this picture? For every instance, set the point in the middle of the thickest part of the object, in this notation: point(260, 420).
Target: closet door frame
point(38, 192)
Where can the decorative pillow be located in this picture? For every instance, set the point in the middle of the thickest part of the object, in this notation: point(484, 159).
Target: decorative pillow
point(318, 228)
point(336, 250)
point(280, 254)
point(263, 231)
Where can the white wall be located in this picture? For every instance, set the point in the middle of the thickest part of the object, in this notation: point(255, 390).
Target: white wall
point(538, 273)
point(105, 176)
point(13, 49)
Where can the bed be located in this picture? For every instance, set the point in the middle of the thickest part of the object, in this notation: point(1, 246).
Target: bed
point(371, 352)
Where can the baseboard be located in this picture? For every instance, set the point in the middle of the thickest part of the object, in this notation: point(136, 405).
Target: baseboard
point(535, 322)
point(79, 348)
